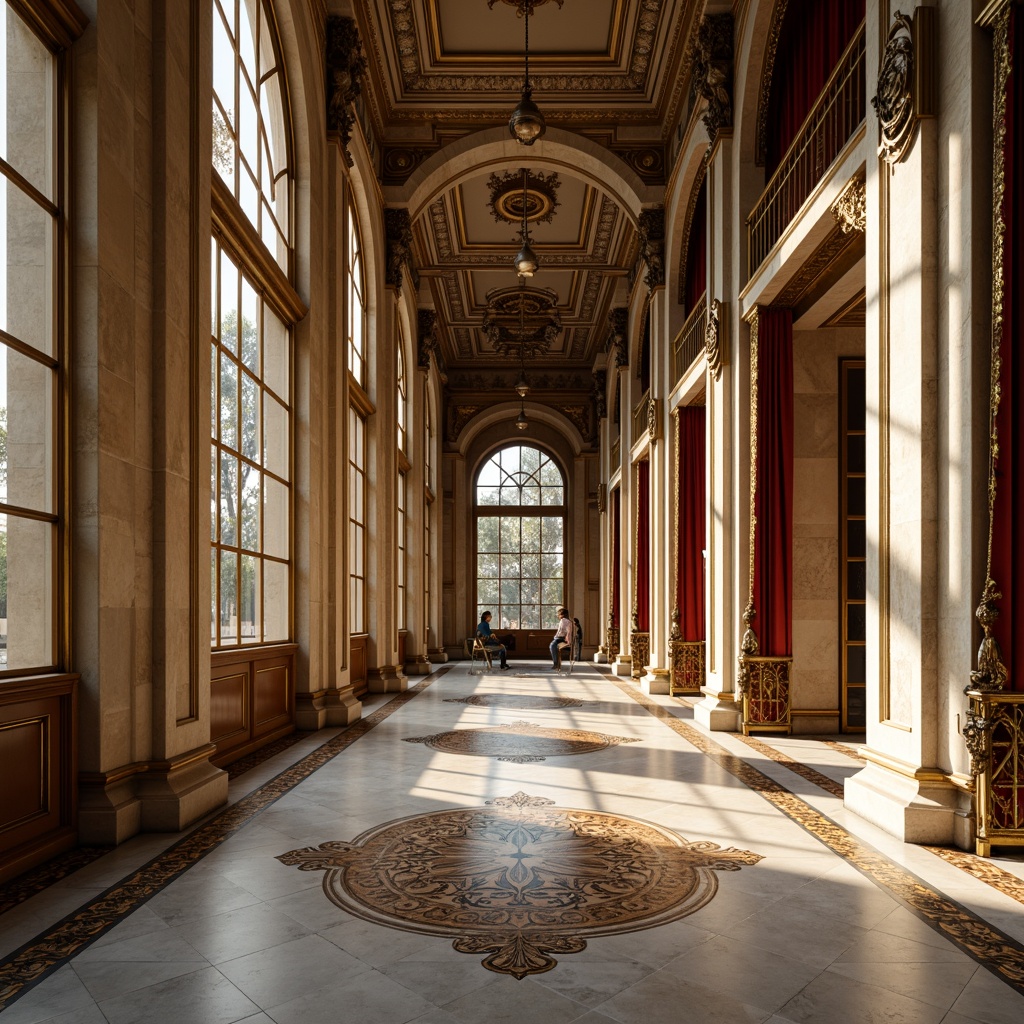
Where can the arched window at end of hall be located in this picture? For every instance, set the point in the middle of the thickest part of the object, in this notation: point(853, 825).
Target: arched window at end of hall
point(519, 506)
point(253, 312)
point(33, 342)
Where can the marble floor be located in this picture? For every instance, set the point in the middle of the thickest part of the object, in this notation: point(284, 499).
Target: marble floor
point(522, 846)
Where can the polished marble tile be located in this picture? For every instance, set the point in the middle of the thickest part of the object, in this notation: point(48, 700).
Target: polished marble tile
point(204, 995)
point(840, 1000)
point(985, 998)
point(108, 978)
point(61, 993)
point(239, 932)
point(507, 1001)
point(437, 981)
point(937, 983)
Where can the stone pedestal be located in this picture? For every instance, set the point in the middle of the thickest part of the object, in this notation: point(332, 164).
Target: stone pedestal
point(388, 679)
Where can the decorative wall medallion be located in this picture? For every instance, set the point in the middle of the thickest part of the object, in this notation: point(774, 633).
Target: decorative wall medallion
point(520, 742)
point(519, 701)
point(506, 202)
point(519, 879)
point(713, 348)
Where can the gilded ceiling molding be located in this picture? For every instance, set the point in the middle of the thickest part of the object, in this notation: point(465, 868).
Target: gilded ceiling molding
point(458, 416)
point(714, 340)
point(712, 71)
point(523, 6)
point(506, 202)
point(476, 381)
point(426, 336)
point(652, 245)
point(618, 322)
point(684, 246)
point(850, 209)
point(530, 310)
point(398, 231)
point(905, 90)
point(765, 89)
point(647, 161)
point(828, 251)
point(345, 65)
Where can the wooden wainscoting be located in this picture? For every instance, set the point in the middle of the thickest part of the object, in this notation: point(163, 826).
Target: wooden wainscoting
point(38, 751)
point(359, 675)
point(252, 699)
point(402, 635)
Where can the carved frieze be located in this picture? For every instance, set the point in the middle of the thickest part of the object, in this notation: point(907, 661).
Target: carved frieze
point(458, 417)
point(714, 341)
point(850, 209)
point(712, 71)
point(652, 245)
point(345, 65)
point(398, 231)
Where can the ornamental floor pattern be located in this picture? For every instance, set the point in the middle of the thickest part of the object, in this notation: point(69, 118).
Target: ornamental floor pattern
point(582, 852)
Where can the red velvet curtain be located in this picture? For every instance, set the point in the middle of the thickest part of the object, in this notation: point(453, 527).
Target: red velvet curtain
point(773, 536)
point(616, 554)
point(643, 546)
point(1008, 536)
point(696, 251)
point(813, 37)
point(690, 538)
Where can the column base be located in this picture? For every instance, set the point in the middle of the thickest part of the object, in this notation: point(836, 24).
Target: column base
point(656, 681)
point(417, 667)
point(109, 812)
point(601, 656)
point(175, 793)
point(917, 805)
point(315, 711)
point(438, 656)
point(718, 712)
point(388, 679)
point(622, 666)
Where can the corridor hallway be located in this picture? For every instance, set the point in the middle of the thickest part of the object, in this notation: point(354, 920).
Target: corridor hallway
point(605, 858)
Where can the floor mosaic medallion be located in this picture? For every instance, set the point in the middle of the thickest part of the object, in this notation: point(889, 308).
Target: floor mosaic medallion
point(516, 701)
point(519, 879)
point(521, 742)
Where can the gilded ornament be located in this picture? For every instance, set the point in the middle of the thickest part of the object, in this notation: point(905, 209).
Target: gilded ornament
point(652, 245)
point(850, 209)
point(765, 88)
point(522, 321)
point(398, 233)
point(898, 100)
point(427, 335)
point(653, 419)
point(507, 200)
point(712, 71)
point(618, 322)
point(713, 340)
point(976, 734)
point(345, 67)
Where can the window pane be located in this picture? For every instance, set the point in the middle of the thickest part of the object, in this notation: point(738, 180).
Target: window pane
point(228, 597)
point(275, 525)
point(275, 436)
point(228, 304)
point(228, 499)
point(28, 267)
point(26, 593)
point(275, 354)
point(249, 411)
point(250, 508)
point(249, 601)
point(275, 601)
point(26, 419)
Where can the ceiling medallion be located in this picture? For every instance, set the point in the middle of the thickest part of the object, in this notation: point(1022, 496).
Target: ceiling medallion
point(519, 880)
point(522, 322)
point(523, 6)
point(508, 196)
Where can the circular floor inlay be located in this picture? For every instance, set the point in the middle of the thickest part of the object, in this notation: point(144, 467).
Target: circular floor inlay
point(520, 742)
point(518, 701)
point(519, 879)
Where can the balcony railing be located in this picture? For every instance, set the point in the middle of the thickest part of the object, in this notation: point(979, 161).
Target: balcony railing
point(640, 415)
point(615, 453)
point(689, 343)
point(833, 121)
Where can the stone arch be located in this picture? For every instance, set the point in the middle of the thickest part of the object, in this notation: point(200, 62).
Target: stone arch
point(554, 422)
point(755, 57)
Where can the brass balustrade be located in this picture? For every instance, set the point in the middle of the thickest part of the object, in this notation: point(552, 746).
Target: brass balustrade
point(996, 744)
point(689, 344)
point(837, 114)
point(640, 650)
point(615, 453)
point(686, 673)
point(765, 689)
point(640, 414)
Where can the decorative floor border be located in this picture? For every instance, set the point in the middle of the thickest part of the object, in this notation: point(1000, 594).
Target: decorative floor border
point(33, 882)
point(982, 941)
point(41, 956)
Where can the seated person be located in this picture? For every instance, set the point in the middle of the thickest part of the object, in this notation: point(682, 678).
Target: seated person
point(563, 637)
point(577, 640)
point(483, 630)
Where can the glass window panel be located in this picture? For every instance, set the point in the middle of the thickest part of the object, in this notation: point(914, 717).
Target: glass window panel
point(552, 593)
point(856, 538)
point(551, 534)
point(551, 496)
point(228, 499)
point(856, 580)
point(551, 566)
point(487, 565)
point(214, 391)
point(529, 459)
point(26, 593)
point(248, 196)
point(857, 400)
point(531, 534)
point(228, 304)
point(509, 592)
point(28, 268)
point(213, 493)
point(856, 664)
point(250, 508)
point(250, 417)
point(487, 534)
point(855, 621)
point(228, 597)
point(250, 327)
point(489, 475)
point(487, 495)
point(249, 610)
point(856, 499)
point(531, 496)
point(510, 566)
point(273, 121)
point(275, 601)
point(487, 591)
point(531, 565)
point(26, 417)
point(510, 533)
point(247, 17)
point(530, 590)
point(530, 617)
point(551, 475)
point(214, 602)
point(275, 353)
point(856, 461)
point(275, 518)
point(228, 401)
point(275, 436)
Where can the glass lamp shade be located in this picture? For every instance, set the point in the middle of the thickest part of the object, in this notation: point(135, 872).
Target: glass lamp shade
point(526, 123)
point(526, 261)
point(521, 421)
point(522, 386)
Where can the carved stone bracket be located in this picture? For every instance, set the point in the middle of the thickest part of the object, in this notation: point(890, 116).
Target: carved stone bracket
point(850, 209)
point(427, 345)
point(398, 230)
point(653, 419)
point(714, 347)
point(976, 735)
point(345, 64)
point(652, 245)
point(712, 71)
point(618, 322)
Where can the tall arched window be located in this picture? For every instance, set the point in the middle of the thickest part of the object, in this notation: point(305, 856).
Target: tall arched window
point(402, 413)
point(356, 295)
point(403, 398)
point(253, 310)
point(520, 538)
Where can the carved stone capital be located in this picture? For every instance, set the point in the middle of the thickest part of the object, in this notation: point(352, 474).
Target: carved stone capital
point(618, 322)
point(345, 65)
point(652, 245)
point(427, 336)
point(850, 208)
point(398, 231)
point(712, 71)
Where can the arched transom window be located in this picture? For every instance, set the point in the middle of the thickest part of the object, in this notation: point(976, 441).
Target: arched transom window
point(520, 538)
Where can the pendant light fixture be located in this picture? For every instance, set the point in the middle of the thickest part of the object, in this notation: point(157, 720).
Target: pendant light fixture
point(526, 261)
point(522, 385)
point(526, 123)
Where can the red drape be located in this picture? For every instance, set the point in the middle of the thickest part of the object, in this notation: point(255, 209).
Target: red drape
point(813, 36)
point(643, 546)
point(696, 251)
point(690, 538)
point(1008, 536)
point(616, 554)
point(773, 537)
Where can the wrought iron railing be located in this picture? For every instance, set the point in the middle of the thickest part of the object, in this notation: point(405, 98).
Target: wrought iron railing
point(996, 744)
point(832, 122)
point(687, 673)
point(640, 651)
point(640, 415)
point(765, 689)
point(689, 343)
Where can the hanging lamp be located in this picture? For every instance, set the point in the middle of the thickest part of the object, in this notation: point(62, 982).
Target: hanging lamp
point(526, 261)
point(526, 123)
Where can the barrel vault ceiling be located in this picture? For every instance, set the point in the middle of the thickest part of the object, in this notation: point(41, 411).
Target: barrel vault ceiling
point(437, 70)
